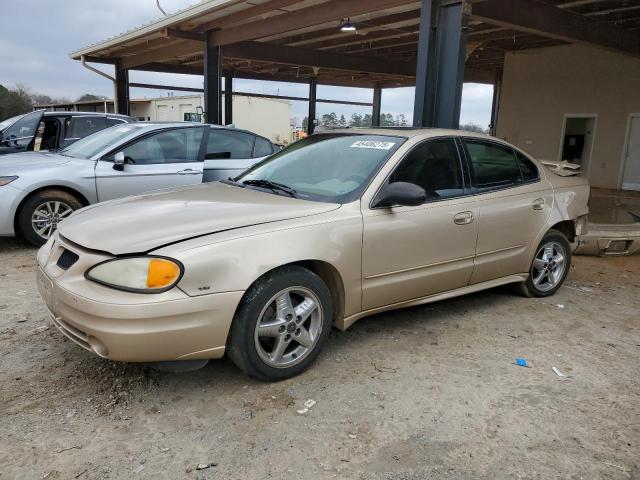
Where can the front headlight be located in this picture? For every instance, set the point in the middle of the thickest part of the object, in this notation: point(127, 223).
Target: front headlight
point(5, 180)
point(138, 274)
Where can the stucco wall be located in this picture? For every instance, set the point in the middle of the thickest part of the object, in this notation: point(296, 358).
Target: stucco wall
point(541, 86)
point(264, 116)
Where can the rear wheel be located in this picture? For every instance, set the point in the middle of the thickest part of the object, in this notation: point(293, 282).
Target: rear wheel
point(550, 266)
point(40, 215)
point(281, 325)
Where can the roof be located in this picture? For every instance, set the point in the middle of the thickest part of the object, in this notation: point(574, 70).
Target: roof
point(294, 40)
point(408, 132)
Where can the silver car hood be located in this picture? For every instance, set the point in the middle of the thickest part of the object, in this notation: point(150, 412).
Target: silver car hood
point(146, 222)
point(15, 163)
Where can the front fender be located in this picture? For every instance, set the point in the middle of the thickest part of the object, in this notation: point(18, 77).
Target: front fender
point(234, 260)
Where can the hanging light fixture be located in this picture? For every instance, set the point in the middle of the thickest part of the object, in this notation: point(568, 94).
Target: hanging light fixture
point(347, 26)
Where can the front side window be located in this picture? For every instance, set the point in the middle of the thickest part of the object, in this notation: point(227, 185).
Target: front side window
point(229, 144)
point(493, 166)
point(435, 166)
point(329, 167)
point(171, 146)
point(96, 143)
point(23, 129)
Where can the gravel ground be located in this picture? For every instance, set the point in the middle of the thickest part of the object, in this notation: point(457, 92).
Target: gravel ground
point(430, 392)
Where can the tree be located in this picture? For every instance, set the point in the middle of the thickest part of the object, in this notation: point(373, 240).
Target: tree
point(472, 127)
point(15, 102)
point(343, 121)
point(87, 97)
point(356, 120)
point(329, 119)
point(305, 123)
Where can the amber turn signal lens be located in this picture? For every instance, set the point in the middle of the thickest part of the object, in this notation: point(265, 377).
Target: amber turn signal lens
point(162, 273)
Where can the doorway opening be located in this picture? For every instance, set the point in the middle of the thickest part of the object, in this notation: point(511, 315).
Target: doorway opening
point(577, 140)
point(631, 162)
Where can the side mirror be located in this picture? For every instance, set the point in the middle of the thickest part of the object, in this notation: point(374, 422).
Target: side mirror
point(118, 161)
point(401, 193)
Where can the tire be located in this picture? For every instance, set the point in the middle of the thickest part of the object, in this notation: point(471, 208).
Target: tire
point(547, 274)
point(53, 207)
point(289, 340)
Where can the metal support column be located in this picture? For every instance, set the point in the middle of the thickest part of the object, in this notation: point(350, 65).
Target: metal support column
point(440, 65)
point(122, 90)
point(377, 100)
point(212, 81)
point(228, 99)
point(495, 105)
point(313, 87)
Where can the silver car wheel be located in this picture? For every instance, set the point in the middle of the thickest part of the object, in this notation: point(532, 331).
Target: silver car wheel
point(47, 215)
point(549, 266)
point(288, 327)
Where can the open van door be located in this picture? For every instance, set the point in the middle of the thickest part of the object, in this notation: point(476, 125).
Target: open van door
point(19, 136)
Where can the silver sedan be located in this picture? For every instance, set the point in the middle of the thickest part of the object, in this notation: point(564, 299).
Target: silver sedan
point(40, 189)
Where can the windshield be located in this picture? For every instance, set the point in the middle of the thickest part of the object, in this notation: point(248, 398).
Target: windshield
point(88, 146)
point(332, 167)
point(5, 123)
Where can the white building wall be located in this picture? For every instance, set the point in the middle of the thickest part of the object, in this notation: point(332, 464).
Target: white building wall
point(270, 118)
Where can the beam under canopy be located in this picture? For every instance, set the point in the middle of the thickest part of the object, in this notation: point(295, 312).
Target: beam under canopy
point(316, 58)
point(212, 83)
point(545, 19)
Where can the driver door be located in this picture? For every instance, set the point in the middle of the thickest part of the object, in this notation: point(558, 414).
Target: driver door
point(19, 136)
point(164, 159)
point(414, 252)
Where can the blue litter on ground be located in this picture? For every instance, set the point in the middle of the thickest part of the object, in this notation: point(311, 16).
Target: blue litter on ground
point(521, 362)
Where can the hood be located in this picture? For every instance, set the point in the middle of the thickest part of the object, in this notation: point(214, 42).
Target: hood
point(15, 163)
point(146, 222)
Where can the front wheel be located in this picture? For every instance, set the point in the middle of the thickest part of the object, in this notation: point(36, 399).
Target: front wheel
point(281, 325)
point(40, 215)
point(550, 266)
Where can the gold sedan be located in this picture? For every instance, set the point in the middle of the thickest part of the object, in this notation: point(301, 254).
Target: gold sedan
point(335, 227)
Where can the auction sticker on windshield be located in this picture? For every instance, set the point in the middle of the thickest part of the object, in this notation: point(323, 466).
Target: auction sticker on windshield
point(373, 144)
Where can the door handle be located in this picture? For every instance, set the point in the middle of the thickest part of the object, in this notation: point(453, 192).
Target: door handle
point(538, 204)
point(463, 218)
point(189, 171)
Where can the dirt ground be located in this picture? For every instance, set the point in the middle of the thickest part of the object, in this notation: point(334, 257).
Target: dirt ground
point(430, 392)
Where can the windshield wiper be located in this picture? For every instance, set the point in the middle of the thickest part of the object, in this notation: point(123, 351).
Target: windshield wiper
point(274, 186)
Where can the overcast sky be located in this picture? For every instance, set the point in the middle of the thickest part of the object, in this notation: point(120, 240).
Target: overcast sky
point(37, 36)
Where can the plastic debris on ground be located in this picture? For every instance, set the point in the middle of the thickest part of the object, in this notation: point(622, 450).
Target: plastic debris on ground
point(308, 405)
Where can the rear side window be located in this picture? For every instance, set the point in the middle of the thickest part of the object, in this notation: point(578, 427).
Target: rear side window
point(435, 166)
point(262, 147)
point(228, 144)
point(529, 170)
point(80, 127)
point(493, 166)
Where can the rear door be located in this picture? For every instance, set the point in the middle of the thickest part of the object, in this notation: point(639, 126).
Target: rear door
point(228, 153)
point(514, 202)
point(82, 126)
point(168, 158)
point(19, 137)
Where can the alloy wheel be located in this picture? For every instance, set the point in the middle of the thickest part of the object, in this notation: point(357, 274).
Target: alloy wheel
point(47, 216)
point(549, 266)
point(288, 327)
